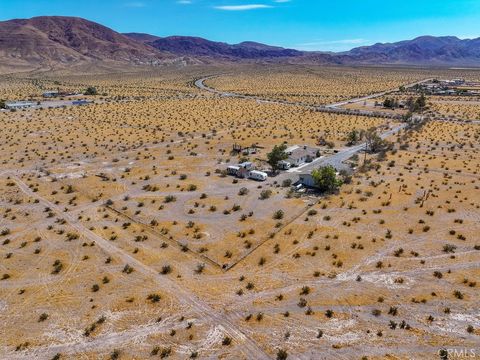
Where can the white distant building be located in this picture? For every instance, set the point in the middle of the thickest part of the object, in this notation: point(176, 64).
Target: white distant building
point(19, 105)
point(299, 155)
point(50, 94)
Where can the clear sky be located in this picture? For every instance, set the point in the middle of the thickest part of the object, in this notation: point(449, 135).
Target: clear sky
point(334, 25)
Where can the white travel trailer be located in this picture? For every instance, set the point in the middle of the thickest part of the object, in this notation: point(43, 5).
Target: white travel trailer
point(284, 165)
point(233, 170)
point(258, 175)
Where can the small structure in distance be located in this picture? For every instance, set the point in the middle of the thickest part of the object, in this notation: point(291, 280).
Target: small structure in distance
point(50, 94)
point(19, 105)
point(246, 170)
point(298, 155)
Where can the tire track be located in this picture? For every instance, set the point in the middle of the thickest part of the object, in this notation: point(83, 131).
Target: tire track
point(249, 347)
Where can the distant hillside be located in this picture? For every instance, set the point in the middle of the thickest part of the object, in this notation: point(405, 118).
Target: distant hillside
point(422, 50)
point(67, 40)
point(198, 47)
point(52, 41)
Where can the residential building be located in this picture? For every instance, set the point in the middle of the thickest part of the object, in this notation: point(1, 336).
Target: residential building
point(50, 94)
point(299, 155)
point(19, 105)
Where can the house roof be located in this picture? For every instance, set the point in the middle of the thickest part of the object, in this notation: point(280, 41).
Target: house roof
point(302, 152)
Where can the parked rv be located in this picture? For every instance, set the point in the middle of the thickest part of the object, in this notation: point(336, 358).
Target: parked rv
point(246, 170)
point(233, 170)
point(258, 175)
point(284, 165)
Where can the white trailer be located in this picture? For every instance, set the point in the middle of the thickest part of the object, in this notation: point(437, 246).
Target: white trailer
point(284, 165)
point(258, 175)
point(233, 170)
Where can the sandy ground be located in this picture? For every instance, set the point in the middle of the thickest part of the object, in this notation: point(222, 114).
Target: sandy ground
point(120, 237)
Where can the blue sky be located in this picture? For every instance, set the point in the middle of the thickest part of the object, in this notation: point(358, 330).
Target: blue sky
point(334, 25)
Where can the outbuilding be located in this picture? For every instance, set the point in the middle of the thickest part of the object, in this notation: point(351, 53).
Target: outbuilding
point(50, 94)
point(19, 105)
point(307, 180)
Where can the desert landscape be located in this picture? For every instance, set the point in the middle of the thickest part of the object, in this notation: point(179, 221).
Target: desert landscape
point(184, 198)
point(123, 235)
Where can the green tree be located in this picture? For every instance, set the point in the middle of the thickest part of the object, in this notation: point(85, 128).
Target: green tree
point(410, 104)
point(421, 103)
point(375, 143)
point(388, 103)
point(326, 179)
point(2, 104)
point(282, 354)
point(353, 137)
point(416, 105)
point(408, 116)
point(276, 155)
point(91, 91)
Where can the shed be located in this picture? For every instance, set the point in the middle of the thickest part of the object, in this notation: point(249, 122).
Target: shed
point(50, 94)
point(246, 165)
point(307, 180)
point(19, 105)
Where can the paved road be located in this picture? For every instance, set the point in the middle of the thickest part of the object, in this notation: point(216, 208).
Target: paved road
point(376, 95)
point(330, 108)
point(336, 160)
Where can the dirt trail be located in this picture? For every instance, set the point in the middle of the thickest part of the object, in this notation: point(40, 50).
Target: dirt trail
point(250, 349)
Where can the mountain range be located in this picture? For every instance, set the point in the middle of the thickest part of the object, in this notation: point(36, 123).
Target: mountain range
point(55, 41)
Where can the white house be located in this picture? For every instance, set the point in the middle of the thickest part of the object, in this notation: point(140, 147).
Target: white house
point(299, 155)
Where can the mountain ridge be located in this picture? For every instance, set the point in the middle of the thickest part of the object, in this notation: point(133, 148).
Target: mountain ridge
point(70, 40)
point(66, 41)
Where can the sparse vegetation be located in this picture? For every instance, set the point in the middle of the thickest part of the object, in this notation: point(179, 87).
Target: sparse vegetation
point(123, 212)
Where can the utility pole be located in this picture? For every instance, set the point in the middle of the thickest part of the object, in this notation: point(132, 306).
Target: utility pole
point(365, 157)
